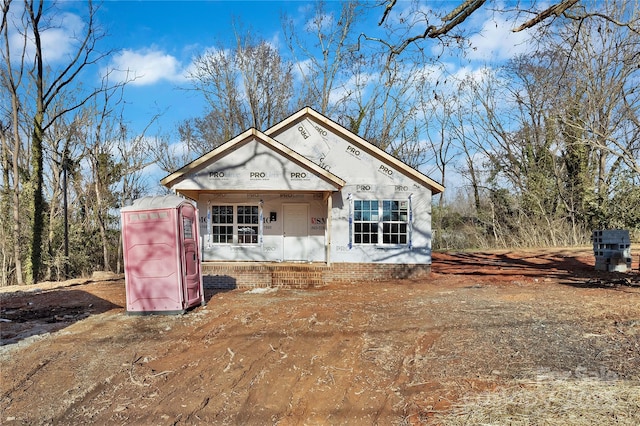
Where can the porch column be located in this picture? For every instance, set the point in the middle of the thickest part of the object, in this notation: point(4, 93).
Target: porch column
point(327, 231)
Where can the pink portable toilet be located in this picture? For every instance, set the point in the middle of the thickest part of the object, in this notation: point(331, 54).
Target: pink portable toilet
point(160, 238)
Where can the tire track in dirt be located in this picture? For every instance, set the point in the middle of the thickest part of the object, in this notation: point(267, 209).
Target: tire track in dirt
point(391, 353)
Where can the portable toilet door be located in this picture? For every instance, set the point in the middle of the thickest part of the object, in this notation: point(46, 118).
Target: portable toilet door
point(161, 255)
point(190, 256)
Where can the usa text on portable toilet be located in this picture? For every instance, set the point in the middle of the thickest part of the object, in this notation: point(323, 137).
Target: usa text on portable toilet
point(161, 251)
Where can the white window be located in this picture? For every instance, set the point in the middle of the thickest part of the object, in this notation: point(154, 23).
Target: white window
point(380, 222)
point(235, 224)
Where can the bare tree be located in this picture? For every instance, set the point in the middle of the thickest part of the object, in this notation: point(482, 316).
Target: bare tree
point(599, 110)
point(561, 132)
point(419, 21)
point(512, 128)
point(28, 67)
point(324, 63)
point(443, 132)
point(267, 80)
point(215, 76)
point(381, 103)
point(251, 86)
point(59, 147)
point(114, 159)
point(135, 156)
point(12, 73)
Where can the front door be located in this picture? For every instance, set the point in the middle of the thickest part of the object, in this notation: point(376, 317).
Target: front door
point(296, 231)
point(190, 257)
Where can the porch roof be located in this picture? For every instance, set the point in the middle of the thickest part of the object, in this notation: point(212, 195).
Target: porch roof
point(249, 162)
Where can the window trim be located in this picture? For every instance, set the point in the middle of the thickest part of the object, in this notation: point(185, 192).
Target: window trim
point(236, 225)
point(381, 222)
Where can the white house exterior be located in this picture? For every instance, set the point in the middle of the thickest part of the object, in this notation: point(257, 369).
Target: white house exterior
point(308, 191)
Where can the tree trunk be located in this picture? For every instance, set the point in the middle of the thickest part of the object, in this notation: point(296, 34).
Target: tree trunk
point(37, 200)
point(16, 193)
point(101, 224)
point(53, 207)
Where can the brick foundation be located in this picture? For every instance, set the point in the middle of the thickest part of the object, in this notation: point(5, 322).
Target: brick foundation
point(229, 275)
point(376, 272)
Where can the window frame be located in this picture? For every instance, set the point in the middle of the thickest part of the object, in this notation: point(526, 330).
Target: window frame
point(366, 222)
point(391, 222)
point(239, 216)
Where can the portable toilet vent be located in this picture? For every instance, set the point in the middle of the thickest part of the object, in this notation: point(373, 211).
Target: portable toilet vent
point(160, 239)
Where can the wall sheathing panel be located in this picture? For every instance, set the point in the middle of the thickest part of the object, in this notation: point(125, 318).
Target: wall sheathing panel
point(270, 248)
point(368, 177)
point(305, 160)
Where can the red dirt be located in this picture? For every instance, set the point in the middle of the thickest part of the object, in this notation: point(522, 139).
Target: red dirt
point(353, 353)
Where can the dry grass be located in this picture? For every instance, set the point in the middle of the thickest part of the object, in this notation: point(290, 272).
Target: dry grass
point(551, 402)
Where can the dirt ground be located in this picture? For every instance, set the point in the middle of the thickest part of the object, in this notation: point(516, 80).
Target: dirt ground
point(403, 352)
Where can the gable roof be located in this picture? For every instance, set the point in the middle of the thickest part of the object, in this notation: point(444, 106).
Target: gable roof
point(251, 135)
point(373, 150)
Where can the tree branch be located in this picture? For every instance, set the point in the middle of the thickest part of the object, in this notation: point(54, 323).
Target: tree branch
point(612, 20)
point(452, 20)
point(387, 10)
point(556, 10)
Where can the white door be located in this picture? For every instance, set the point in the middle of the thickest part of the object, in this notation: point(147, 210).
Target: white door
point(296, 231)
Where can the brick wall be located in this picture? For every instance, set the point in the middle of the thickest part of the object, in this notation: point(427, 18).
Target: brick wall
point(239, 275)
point(376, 271)
point(227, 275)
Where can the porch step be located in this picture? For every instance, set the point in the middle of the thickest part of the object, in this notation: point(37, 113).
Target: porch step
point(229, 275)
point(297, 276)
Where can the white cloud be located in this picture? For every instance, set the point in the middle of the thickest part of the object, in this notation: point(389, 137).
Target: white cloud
point(470, 73)
point(210, 53)
point(153, 173)
point(61, 41)
point(302, 69)
point(60, 38)
point(320, 22)
point(357, 83)
point(145, 67)
point(181, 149)
point(496, 41)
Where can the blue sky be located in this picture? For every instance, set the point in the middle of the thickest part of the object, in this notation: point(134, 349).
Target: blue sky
point(157, 41)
